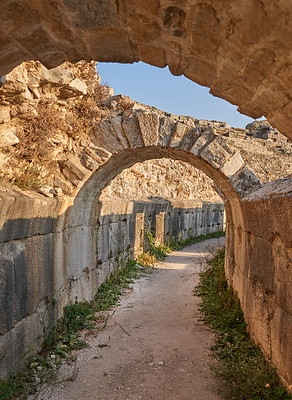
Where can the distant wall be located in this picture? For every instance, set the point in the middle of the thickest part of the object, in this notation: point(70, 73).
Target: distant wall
point(39, 267)
point(122, 224)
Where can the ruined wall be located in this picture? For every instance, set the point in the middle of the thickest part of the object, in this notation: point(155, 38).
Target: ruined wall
point(122, 223)
point(36, 282)
point(259, 266)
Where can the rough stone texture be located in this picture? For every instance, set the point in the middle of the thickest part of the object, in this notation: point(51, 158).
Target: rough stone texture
point(264, 130)
point(32, 240)
point(259, 263)
point(240, 50)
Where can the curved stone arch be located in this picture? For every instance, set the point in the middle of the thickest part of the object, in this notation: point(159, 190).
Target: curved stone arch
point(135, 133)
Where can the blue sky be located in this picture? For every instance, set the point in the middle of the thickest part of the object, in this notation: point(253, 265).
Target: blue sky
point(175, 94)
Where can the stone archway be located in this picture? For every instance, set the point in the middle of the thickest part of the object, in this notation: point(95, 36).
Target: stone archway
point(133, 133)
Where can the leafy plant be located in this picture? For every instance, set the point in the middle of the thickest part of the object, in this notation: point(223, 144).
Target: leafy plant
point(28, 179)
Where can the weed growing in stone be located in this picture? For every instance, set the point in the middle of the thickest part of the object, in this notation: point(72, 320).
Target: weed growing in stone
point(244, 372)
point(175, 244)
point(158, 253)
point(78, 318)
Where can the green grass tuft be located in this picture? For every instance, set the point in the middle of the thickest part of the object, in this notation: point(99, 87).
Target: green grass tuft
point(244, 372)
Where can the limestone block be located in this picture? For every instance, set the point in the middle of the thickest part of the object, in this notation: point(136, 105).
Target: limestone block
point(104, 136)
point(78, 86)
point(166, 126)
point(207, 136)
point(58, 75)
point(245, 181)
point(73, 164)
point(216, 152)
point(190, 138)
point(63, 184)
point(177, 133)
point(149, 124)
point(281, 343)
point(47, 191)
point(26, 95)
point(90, 162)
point(132, 130)
point(35, 90)
point(7, 135)
point(4, 114)
point(123, 102)
point(234, 164)
point(117, 125)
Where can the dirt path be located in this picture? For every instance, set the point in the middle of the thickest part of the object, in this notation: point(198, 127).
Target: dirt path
point(155, 346)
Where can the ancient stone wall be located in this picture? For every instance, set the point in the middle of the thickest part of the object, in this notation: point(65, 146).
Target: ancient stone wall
point(258, 264)
point(35, 284)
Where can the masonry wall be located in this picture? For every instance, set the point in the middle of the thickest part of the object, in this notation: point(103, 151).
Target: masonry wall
point(39, 268)
point(122, 224)
point(259, 266)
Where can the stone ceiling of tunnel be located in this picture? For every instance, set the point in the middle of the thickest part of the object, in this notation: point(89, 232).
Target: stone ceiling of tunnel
point(241, 50)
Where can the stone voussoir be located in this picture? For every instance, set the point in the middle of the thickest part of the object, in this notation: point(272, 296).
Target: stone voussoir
point(216, 152)
point(149, 125)
point(132, 131)
point(178, 133)
point(232, 165)
point(203, 140)
point(245, 181)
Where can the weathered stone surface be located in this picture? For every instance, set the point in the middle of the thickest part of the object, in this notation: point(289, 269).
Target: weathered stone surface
point(207, 136)
point(4, 114)
point(7, 135)
point(132, 130)
point(149, 124)
point(245, 181)
point(259, 265)
point(117, 125)
point(166, 126)
point(104, 136)
point(178, 132)
point(190, 138)
point(234, 164)
point(216, 152)
point(73, 164)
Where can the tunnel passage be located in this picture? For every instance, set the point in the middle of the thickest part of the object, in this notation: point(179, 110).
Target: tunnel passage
point(56, 250)
point(134, 133)
point(242, 52)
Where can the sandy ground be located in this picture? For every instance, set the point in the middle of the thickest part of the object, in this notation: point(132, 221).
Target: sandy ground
point(155, 345)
